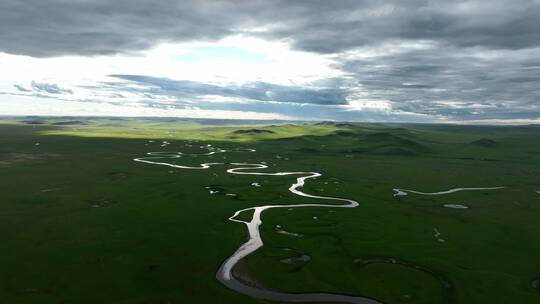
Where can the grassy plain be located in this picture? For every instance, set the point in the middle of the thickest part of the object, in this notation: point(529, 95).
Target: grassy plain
point(83, 223)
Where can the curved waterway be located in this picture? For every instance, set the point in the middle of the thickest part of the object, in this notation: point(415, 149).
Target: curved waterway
point(402, 192)
point(254, 242)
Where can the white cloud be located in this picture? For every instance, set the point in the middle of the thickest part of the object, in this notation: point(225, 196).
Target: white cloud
point(27, 105)
point(370, 105)
point(279, 64)
point(501, 121)
point(231, 61)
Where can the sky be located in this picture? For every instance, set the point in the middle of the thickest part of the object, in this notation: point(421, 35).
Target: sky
point(469, 62)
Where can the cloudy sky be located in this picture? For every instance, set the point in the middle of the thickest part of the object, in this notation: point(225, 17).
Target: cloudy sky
point(361, 60)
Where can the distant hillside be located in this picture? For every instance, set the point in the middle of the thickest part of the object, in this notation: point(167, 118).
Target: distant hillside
point(68, 123)
point(485, 142)
point(253, 131)
point(345, 133)
point(34, 122)
point(357, 141)
point(386, 143)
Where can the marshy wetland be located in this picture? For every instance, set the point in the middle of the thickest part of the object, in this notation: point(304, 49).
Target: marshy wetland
point(84, 223)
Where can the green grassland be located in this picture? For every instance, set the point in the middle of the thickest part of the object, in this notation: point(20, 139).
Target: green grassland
point(83, 223)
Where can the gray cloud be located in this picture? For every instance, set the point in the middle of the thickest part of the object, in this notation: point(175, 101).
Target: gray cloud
point(21, 88)
point(453, 83)
point(467, 59)
point(57, 27)
point(41, 87)
point(345, 25)
point(256, 91)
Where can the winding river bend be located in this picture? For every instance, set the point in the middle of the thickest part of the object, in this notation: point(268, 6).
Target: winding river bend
point(225, 271)
point(403, 192)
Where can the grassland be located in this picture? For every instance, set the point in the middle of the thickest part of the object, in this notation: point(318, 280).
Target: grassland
point(82, 223)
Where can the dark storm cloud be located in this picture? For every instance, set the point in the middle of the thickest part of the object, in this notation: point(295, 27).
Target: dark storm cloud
point(256, 91)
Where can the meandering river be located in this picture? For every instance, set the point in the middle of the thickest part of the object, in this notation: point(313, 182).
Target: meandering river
point(254, 242)
point(402, 192)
